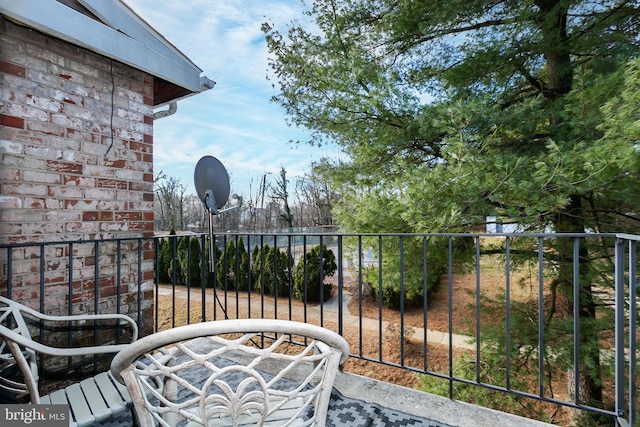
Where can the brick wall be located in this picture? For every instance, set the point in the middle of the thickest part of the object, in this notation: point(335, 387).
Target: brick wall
point(77, 164)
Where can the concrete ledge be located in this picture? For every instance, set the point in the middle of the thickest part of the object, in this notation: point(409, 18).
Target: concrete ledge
point(419, 403)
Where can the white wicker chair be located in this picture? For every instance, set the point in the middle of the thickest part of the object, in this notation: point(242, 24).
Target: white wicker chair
point(234, 373)
point(91, 400)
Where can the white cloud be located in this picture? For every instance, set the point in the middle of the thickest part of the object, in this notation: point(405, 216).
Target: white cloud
point(235, 121)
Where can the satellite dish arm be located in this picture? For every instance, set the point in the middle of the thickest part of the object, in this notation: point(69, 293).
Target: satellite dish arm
point(210, 203)
point(239, 199)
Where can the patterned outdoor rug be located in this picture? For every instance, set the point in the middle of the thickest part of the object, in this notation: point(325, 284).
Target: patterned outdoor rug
point(343, 411)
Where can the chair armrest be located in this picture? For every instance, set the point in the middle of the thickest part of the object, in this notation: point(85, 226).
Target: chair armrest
point(83, 318)
point(77, 317)
point(56, 351)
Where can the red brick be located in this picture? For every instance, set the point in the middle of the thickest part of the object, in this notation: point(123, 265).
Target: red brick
point(44, 103)
point(13, 69)
point(79, 135)
point(107, 281)
point(35, 203)
point(76, 204)
point(91, 216)
point(139, 186)
point(79, 181)
point(112, 183)
point(106, 292)
point(128, 216)
point(46, 128)
point(65, 167)
point(11, 121)
point(141, 226)
point(121, 164)
point(80, 295)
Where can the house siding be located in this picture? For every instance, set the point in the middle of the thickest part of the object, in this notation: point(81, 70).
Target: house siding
point(76, 145)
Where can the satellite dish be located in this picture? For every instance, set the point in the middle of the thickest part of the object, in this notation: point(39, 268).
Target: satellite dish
point(212, 182)
point(212, 186)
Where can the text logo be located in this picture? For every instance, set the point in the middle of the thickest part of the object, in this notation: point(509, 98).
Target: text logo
point(34, 415)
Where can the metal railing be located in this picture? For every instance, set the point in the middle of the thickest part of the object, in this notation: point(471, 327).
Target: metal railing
point(536, 300)
point(626, 319)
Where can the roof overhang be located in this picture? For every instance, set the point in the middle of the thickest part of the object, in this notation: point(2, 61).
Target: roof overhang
point(113, 30)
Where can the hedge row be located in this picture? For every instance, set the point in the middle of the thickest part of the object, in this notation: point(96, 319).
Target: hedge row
point(271, 271)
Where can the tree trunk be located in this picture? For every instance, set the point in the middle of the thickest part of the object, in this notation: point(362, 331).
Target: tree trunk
point(553, 25)
point(589, 380)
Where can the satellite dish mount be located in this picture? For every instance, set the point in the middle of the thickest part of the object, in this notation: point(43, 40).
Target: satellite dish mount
point(212, 186)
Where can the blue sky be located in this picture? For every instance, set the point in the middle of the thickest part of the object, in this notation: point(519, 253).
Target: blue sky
point(235, 121)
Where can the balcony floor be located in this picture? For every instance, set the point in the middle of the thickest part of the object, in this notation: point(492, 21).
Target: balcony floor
point(420, 408)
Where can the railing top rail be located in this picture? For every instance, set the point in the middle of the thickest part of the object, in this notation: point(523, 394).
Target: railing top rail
point(258, 233)
point(315, 234)
point(68, 242)
point(628, 236)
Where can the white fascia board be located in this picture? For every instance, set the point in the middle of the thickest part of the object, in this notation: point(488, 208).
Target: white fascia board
point(58, 20)
point(121, 18)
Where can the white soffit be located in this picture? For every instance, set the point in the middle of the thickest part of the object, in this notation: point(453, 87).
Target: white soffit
point(125, 37)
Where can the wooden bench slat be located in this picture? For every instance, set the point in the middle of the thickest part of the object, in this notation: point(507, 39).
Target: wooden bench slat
point(81, 411)
point(93, 399)
point(46, 400)
point(114, 399)
point(92, 393)
point(59, 397)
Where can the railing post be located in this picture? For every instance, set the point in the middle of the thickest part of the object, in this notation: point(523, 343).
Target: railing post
point(633, 342)
point(541, 325)
point(619, 329)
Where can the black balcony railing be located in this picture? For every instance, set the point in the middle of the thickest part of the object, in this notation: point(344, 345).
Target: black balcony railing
point(513, 314)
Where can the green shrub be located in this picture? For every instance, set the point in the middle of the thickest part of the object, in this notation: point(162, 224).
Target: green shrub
point(164, 260)
point(491, 372)
point(310, 273)
point(414, 282)
point(180, 261)
point(168, 255)
point(233, 267)
point(190, 263)
point(272, 270)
